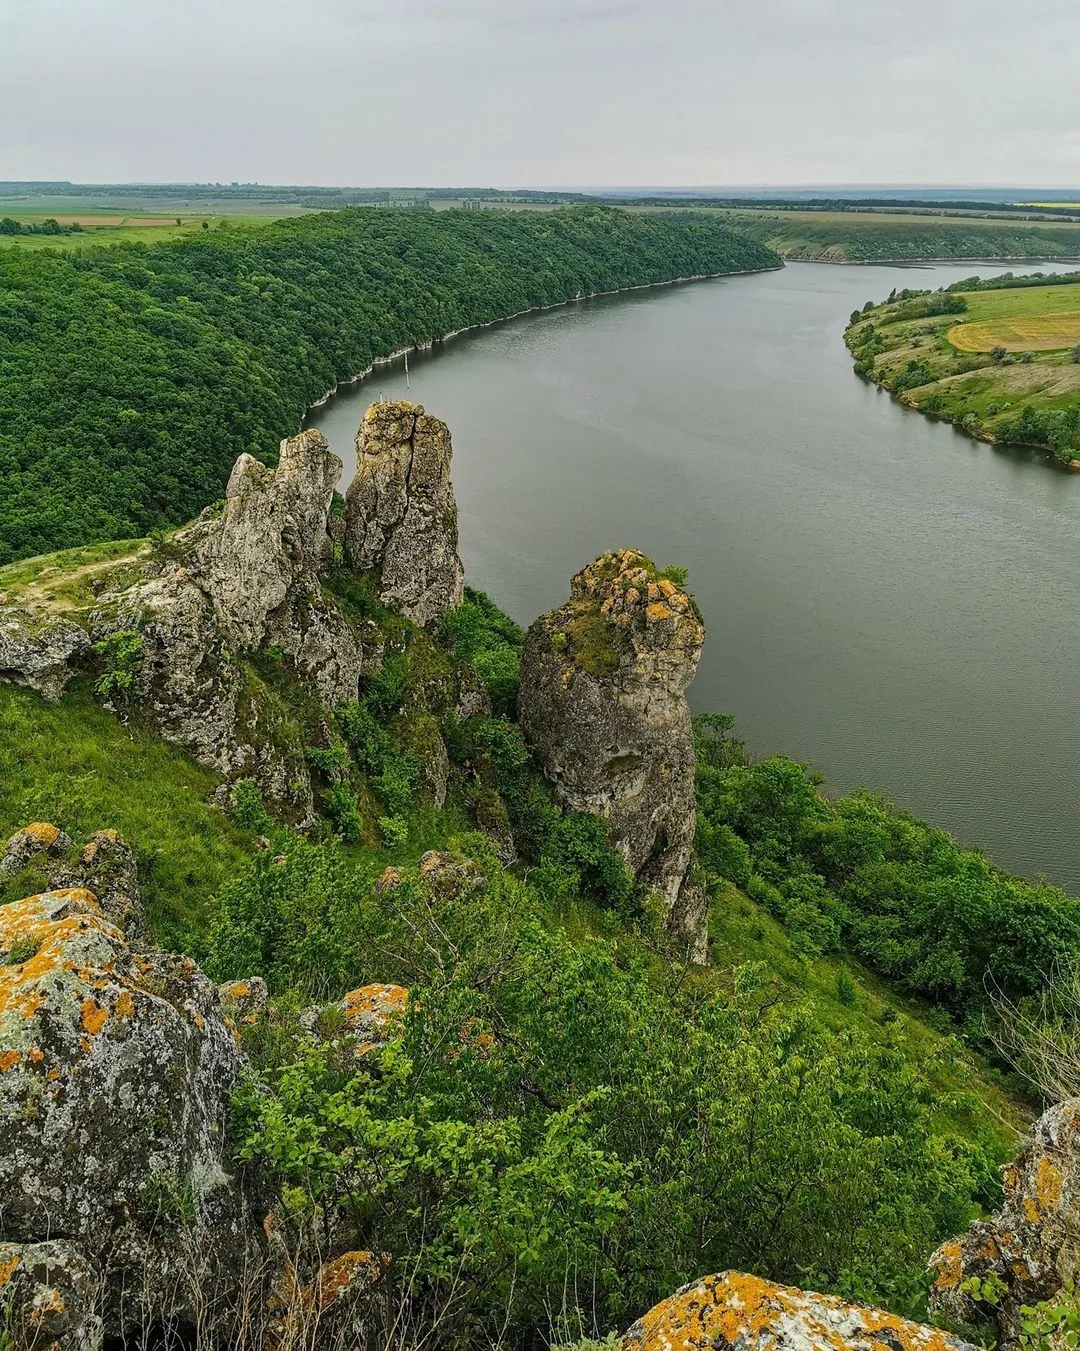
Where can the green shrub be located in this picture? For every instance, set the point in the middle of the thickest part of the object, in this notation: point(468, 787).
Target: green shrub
point(121, 652)
point(248, 809)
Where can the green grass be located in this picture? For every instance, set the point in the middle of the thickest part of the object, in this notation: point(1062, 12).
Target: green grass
point(971, 1099)
point(873, 236)
point(64, 578)
point(102, 226)
point(986, 397)
point(76, 765)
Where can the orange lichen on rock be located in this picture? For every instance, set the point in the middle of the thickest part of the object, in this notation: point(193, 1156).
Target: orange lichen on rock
point(8, 1060)
point(949, 1270)
point(94, 1017)
point(374, 1001)
point(732, 1309)
point(7, 1268)
point(44, 832)
point(351, 1273)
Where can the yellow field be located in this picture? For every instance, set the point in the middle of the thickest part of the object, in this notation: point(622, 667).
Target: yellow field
point(1066, 206)
point(1024, 333)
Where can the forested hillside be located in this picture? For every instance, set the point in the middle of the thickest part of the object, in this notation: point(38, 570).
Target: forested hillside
point(132, 377)
point(851, 237)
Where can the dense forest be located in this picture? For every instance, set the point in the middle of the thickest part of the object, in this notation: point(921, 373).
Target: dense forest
point(131, 377)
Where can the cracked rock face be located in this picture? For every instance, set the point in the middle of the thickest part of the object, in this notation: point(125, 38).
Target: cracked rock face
point(115, 1072)
point(751, 1314)
point(1033, 1243)
point(603, 681)
point(38, 650)
point(271, 541)
point(401, 517)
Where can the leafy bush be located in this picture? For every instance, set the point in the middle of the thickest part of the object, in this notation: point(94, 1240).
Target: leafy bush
point(563, 1133)
point(121, 652)
point(901, 894)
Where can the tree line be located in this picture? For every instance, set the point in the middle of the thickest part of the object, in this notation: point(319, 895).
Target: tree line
point(131, 376)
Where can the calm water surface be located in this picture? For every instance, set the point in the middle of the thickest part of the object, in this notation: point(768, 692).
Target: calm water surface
point(884, 598)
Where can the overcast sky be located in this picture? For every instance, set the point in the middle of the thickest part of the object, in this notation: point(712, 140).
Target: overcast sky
point(542, 92)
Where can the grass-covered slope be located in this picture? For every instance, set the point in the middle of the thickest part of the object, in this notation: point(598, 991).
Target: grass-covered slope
point(132, 377)
point(572, 1122)
point(1000, 358)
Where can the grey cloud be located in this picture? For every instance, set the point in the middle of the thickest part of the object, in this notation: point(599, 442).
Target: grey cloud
point(586, 92)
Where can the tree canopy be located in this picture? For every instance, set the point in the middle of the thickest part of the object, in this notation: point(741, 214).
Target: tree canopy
point(132, 376)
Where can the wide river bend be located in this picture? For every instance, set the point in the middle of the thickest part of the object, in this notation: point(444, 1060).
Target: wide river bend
point(884, 597)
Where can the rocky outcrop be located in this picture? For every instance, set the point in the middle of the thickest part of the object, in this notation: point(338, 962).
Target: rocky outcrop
point(39, 650)
point(40, 842)
point(400, 515)
point(1031, 1247)
point(603, 681)
point(745, 1312)
point(115, 1072)
point(249, 579)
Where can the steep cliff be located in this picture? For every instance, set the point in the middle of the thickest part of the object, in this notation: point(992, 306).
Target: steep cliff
point(401, 517)
point(603, 681)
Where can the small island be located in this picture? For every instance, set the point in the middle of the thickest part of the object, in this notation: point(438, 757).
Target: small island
point(999, 357)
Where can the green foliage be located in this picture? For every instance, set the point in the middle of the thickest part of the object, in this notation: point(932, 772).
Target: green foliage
point(905, 897)
point(22, 950)
point(132, 377)
point(565, 1115)
point(121, 652)
point(1052, 1323)
point(248, 809)
point(394, 831)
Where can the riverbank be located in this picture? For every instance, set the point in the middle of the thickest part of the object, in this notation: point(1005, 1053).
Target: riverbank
point(402, 352)
point(1001, 363)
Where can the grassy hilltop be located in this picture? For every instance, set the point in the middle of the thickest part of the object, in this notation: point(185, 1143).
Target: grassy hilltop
point(1000, 358)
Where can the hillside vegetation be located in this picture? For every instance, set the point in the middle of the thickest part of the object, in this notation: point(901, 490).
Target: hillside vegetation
point(875, 237)
point(812, 1107)
point(1000, 358)
point(132, 377)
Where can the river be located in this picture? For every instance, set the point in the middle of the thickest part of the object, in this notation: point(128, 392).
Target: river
point(884, 597)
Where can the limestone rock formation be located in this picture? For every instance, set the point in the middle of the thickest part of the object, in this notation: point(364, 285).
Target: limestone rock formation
point(603, 681)
point(115, 1072)
point(249, 579)
point(401, 517)
point(38, 650)
point(745, 1312)
point(361, 1021)
point(106, 866)
point(1032, 1245)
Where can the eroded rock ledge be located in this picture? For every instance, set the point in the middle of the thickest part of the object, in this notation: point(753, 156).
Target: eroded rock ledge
point(603, 681)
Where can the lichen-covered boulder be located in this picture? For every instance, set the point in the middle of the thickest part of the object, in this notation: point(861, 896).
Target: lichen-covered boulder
point(733, 1312)
point(40, 841)
point(50, 1297)
point(115, 1073)
point(603, 702)
point(39, 650)
point(400, 514)
point(1032, 1245)
point(361, 1021)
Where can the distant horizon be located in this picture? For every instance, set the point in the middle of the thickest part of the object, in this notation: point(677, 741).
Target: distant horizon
point(594, 189)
